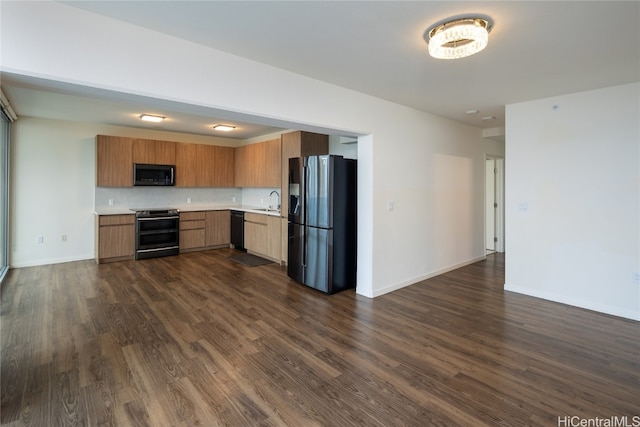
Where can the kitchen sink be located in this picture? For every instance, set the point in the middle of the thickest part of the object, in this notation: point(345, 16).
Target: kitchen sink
point(266, 210)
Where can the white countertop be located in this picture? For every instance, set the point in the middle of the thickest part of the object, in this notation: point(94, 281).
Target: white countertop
point(194, 208)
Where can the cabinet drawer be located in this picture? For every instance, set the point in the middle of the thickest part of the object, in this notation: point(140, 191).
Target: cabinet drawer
point(191, 225)
point(190, 216)
point(116, 219)
point(254, 217)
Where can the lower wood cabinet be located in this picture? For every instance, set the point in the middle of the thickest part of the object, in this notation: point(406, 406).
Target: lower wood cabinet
point(115, 238)
point(274, 238)
point(192, 230)
point(262, 235)
point(255, 233)
point(204, 230)
point(217, 228)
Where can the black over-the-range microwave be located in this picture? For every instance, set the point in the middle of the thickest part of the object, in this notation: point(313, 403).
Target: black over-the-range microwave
point(153, 175)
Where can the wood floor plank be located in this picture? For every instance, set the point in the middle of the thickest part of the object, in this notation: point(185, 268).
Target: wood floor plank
point(200, 340)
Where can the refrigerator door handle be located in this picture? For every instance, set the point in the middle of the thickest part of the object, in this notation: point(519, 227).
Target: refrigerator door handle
point(303, 237)
point(303, 193)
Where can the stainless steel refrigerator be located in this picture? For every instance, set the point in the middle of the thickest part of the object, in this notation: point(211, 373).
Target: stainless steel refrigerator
point(322, 224)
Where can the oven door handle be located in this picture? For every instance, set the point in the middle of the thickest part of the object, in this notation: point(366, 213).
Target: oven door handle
point(157, 218)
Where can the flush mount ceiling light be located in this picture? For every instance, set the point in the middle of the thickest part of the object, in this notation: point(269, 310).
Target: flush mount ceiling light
point(151, 118)
point(224, 128)
point(458, 37)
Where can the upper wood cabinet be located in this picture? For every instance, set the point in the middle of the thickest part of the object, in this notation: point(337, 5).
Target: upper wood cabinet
point(245, 173)
point(114, 164)
point(154, 152)
point(186, 161)
point(199, 165)
point(258, 165)
point(271, 172)
point(215, 165)
point(298, 144)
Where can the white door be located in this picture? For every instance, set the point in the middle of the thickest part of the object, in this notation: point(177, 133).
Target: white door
point(490, 200)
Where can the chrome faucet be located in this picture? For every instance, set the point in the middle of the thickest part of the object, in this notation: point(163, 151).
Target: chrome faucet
point(277, 207)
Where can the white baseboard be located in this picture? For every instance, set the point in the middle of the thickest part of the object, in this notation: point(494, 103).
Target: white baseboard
point(395, 287)
point(563, 299)
point(48, 261)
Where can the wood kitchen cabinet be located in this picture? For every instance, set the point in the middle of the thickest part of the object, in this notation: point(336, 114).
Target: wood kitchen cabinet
point(192, 231)
point(115, 238)
point(204, 229)
point(274, 237)
point(154, 152)
point(262, 235)
point(217, 228)
point(258, 165)
point(245, 166)
point(186, 161)
point(215, 166)
point(255, 233)
point(114, 161)
point(200, 165)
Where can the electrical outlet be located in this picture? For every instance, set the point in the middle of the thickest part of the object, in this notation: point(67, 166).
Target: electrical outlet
point(262, 201)
point(39, 240)
point(188, 200)
point(233, 199)
point(390, 206)
point(63, 238)
point(110, 201)
point(635, 278)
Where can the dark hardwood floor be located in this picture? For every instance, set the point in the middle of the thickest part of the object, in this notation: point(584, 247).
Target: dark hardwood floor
point(198, 340)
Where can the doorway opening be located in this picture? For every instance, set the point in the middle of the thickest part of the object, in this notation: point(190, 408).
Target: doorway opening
point(494, 204)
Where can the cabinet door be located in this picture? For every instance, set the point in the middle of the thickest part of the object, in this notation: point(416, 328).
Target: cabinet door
point(154, 152)
point(290, 149)
point(274, 237)
point(192, 238)
point(255, 233)
point(272, 161)
point(186, 161)
point(242, 166)
point(255, 237)
point(114, 166)
point(223, 166)
point(218, 228)
point(249, 165)
point(206, 165)
point(116, 241)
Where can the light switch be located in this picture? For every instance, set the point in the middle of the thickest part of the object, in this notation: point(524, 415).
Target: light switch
point(389, 206)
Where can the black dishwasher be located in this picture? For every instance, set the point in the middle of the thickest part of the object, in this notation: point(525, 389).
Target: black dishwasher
point(237, 229)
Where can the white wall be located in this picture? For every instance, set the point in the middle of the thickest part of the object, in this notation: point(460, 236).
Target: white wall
point(573, 199)
point(52, 190)
point(431, 168)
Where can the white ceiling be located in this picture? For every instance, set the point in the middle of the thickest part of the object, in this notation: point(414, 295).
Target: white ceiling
point(536, 49)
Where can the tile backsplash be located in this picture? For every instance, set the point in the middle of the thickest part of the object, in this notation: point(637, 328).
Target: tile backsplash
point(157, 197)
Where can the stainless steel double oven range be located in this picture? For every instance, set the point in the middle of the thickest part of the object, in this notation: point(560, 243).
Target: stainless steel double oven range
point(157, 232)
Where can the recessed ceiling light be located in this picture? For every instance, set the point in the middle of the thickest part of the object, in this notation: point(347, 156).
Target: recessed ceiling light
point(151, 118)
point(487, 118)
point(224, 128)
point(471, 112)
point(458, 37)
